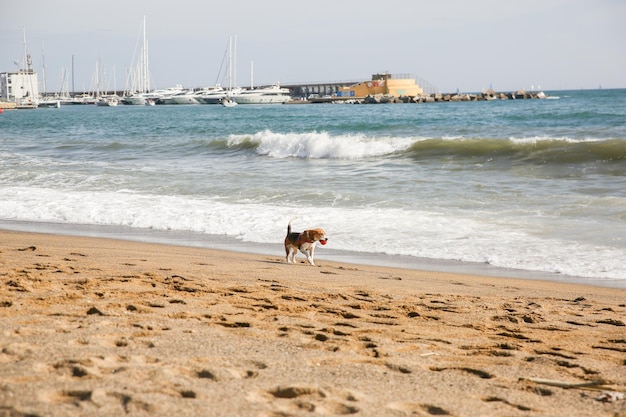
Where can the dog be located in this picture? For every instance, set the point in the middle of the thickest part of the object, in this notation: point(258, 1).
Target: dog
point(305, 242)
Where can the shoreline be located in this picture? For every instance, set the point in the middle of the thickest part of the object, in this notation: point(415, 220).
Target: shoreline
point(201, 240)
point(105, 327)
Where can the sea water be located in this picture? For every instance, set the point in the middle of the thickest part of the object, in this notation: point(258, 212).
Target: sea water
point(526, 186)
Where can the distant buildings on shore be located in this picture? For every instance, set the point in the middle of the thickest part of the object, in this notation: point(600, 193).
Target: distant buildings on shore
point(385, 84)
point(20, 87)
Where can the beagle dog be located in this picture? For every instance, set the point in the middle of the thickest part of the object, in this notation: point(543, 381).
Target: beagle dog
point(305, 242)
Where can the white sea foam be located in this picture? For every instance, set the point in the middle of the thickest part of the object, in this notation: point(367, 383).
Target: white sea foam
point(409, 232)
point(321, 145)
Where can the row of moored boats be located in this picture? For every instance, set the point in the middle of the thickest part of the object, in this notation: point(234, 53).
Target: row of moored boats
point(212, 95)
point(273, 94)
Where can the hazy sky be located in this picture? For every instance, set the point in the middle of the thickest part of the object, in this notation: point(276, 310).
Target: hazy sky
point(468, 45)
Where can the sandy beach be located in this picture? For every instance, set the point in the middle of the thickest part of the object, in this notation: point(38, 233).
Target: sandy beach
point(101, 327)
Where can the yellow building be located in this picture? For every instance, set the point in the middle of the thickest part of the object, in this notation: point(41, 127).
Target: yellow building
point(385, 84)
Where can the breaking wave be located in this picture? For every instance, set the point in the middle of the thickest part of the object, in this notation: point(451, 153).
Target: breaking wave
point(322, 145)
point(319, 145)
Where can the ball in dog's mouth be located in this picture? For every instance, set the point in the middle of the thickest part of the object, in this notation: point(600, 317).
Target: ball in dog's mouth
point(323, 242)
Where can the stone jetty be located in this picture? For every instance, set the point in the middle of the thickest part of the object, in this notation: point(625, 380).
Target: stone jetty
point(432, 98)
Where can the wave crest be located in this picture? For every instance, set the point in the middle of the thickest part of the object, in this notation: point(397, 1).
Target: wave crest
point(319, 145)
point(533, 150)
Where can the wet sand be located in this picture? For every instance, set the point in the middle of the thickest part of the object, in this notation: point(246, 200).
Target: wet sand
point(103, 327)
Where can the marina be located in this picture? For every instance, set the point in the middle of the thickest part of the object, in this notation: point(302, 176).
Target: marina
point(272, 94)
point(20, 89)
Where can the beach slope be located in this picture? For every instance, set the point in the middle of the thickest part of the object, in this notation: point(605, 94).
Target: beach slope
point(100, 327)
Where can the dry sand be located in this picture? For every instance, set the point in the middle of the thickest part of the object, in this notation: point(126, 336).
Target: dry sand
point(99, 327)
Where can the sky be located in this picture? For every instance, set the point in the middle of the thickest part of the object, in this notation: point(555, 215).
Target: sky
point(453, 45)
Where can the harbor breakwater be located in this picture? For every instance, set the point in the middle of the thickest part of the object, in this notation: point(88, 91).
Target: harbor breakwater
point(432, 98)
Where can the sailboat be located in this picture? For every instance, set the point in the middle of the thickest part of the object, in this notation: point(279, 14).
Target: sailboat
point(140, 76)
point(45, 100)
point(105, 99)
point(228, 101)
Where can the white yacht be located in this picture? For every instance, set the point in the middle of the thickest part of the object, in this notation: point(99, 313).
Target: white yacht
point(49, 102)
point(273, 94)
point(153, 96)
point(181, 97)
point(108, 101)
point(212, 95)
point(161, 96)
point(134, 100)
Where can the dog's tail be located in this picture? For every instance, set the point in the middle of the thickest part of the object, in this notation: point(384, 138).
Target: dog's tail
point(289, 225)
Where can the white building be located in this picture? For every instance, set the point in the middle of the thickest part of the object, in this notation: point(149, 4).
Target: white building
point(20, 87)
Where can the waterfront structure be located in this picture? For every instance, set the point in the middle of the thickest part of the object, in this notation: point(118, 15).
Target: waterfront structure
point(20, 87)
point(397, 85)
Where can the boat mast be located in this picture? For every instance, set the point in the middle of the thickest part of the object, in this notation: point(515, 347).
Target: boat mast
point(29, 71)
point(25, 57)
point(73, 88)
point(230, 63)
point(146, 83)
point(97, 94)
point(43, 69)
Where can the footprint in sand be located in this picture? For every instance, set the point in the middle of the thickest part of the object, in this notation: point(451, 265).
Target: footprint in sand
point(398, 368)
point(78, 368)
point(418, 409)
point(477, 372)
point(294, 398)
point(19, 351)
point(503, 401)
point(97, 398)
point(248, 370)
point(243, 373)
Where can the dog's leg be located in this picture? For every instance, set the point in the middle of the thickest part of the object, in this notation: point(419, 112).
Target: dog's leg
point(309, 255)
point(291, 257)
point(289, 254)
